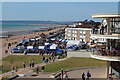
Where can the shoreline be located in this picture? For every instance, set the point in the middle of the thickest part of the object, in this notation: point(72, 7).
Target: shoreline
point(23, 32)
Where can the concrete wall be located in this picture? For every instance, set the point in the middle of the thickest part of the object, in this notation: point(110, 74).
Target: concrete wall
point(78, 54)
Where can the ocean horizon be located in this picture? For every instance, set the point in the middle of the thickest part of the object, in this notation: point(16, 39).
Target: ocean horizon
point(9, 27)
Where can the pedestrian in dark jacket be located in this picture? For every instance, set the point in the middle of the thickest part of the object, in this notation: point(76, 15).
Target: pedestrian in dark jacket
point(83, 76)
point(43, 68)
point(37, 70)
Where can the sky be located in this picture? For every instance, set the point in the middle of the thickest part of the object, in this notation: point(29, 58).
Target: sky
point(55, 11)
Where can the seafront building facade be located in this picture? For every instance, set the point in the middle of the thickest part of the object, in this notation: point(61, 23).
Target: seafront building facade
point(80, 31)
point(111, 51)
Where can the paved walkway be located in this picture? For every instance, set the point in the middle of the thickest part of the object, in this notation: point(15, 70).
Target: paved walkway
point(95, 73)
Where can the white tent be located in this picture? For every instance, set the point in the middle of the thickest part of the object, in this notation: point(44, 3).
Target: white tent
point(54, 46)
point(41, 47)
point(29, 47)
point(37, 38)
point(60, 39)
point(32, 39)
point(73, 42)
point(52, 39)
point(47, 43)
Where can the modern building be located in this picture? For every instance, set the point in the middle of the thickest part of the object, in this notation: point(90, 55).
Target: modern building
point(80, 31)
point(111, 51)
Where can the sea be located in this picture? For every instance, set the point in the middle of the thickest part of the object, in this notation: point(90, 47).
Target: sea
point(24, 27)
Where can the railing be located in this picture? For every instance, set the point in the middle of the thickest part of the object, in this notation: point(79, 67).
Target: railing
point(115, 30)
point(104, 52)
point(104, 31)
point(99, 31)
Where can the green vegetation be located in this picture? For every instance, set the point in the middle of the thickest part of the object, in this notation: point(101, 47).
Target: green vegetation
point(73, 63)
point(17, 60)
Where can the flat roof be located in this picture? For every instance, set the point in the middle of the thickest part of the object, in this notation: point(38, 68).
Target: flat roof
point(106, 16)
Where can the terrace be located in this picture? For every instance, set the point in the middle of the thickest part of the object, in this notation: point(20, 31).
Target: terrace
point(104, 54)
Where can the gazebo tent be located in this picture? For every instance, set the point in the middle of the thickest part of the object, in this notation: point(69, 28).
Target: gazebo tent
point(53, 39)
point(31, 39)
point(23, 41)
point(41, 47)
point(29, 47)
point(47, 44)
point(54, 46)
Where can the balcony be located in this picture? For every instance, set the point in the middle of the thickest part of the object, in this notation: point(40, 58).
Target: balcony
point(103, 54)
point(102, 33)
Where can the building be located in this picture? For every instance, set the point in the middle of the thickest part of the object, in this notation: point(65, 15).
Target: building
point(111, 51)
point(80, 31)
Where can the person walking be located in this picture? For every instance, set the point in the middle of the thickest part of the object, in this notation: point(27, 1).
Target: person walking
point(43, 69)
point(16, 68)
point(65, 76)
point(83, 76)
point(12, 69)
point(32, 63)
point(24, 65)
point(37, 70)
point(88, 75)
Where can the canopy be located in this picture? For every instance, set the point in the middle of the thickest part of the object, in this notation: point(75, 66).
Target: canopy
point(73, 42)
point(37, 38)
point(23, 41)
point(53, 39)
point(32, 40)
point(47, 43)
point(16, 50)
point(41, 47)
point(29, 47)
point(60, 39)
point(54, 46)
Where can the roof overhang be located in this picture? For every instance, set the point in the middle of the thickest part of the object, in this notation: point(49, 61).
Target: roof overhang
point(106, 16)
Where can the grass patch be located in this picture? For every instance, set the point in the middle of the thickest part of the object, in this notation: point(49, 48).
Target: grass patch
point(73, 63)
point(17, 60)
